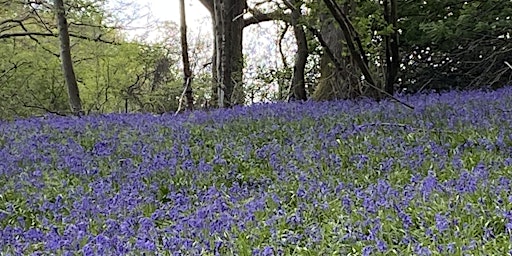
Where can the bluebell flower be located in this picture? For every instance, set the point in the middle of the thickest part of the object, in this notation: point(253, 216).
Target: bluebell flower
point(382, 246)
point(367, 251)
point(442, 223)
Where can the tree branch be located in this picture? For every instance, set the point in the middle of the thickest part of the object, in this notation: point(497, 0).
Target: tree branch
point(258, 17)
point(280, 43)
point(325, 47)
point(27, 33)
point(14, 67)
point(44, 109)
point(508, 64)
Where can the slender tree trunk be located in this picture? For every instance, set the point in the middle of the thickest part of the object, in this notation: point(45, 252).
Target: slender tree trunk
point(391, 45)
point(66, 60)
point(298, 83)
point(221, 59)
point(187, 73)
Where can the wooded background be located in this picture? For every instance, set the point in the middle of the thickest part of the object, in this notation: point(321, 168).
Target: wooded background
point(75, 56)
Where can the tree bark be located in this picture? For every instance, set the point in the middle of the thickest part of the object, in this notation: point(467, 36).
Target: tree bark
point(341, 77)
point(298, 84)
point(391, 45)
point(353, 65)
point(66, 59)
point(351, 39)
point(228, 22)
point(187, 73)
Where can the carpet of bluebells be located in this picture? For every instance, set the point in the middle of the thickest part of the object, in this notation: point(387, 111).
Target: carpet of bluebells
point(313, 178)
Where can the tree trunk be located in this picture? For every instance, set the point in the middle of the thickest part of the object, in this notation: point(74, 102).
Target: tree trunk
point(391, 45)
point(227, 16)
point(65, 55)
point(344, 81)
point(187, 73)
point(298, 84)
point(339, 77)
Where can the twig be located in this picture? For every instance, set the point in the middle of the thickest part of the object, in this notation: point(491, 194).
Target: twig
point(45, 109)
point(390, 96)
point(384, 124)
point(425, 85)
point(182, 96)
point(508, 64)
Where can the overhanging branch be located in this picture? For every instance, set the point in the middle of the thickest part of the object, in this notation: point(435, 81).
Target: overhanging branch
point(258, 17)
point(27, 33)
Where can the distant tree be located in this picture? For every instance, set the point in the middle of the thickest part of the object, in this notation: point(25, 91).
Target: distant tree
point(28, 31)
point(298, 83)
point(66, 59)
point(187, 73)
point(228, 24)
point(114, 73)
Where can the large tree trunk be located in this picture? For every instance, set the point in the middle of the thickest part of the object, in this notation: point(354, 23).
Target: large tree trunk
point(65, 55)
point(298, 84)
point(341, 80)
point(345, 80)
point(227, 16)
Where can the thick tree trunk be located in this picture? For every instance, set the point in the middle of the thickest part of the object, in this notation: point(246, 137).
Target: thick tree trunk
point(343, 80)
point(187, 73)
point(227, 16)
point(298, 84)
point(65, 55)
point(339, 77)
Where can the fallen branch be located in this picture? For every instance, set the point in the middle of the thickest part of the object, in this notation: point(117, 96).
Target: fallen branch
point(390, 96)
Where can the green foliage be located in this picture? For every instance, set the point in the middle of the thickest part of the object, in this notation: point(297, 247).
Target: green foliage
point(456, 43)
point(112, 77)
point(443, 44)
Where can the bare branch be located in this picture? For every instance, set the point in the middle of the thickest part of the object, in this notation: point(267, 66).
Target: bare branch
point(26, 33)
point(79, 24)
point(281, 38)
point(508, 64)
point(14, 67)
point(44, 109)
